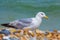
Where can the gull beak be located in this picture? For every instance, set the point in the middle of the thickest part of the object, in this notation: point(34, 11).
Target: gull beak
point(46, 17)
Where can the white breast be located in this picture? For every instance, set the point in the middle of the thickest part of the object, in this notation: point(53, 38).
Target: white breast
point(36, 23)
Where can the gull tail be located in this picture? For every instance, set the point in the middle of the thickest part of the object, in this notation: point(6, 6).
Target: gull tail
point(7, 25)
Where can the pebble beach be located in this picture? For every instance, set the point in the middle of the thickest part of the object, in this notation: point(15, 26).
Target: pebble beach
point(27, 34)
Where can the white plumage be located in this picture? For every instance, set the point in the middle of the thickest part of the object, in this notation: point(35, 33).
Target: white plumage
point(27, 22)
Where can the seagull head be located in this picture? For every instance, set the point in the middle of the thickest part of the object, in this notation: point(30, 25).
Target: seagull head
point(41, 15)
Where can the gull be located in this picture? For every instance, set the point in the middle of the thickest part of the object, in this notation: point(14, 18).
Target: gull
point(32, 23)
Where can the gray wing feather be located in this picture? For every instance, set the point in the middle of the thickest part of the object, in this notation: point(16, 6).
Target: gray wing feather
point(21, 23)
point(28, 20)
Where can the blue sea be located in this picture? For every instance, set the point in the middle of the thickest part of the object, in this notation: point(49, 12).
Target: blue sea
point(11, 10)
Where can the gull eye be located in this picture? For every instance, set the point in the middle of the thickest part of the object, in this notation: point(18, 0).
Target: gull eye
point(41, 14)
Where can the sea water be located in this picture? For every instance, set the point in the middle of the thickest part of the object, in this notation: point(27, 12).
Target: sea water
point(16, 9)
